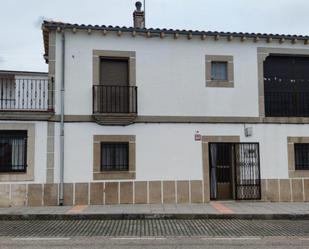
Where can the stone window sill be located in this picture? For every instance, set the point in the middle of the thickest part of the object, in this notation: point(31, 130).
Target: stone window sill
point(216, 83)
point(113, 175)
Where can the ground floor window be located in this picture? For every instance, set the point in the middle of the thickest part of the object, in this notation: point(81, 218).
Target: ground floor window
point(13, 151)
point(301, 151)
point(114, 156)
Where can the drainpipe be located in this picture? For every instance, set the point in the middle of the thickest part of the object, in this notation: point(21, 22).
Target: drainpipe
point(61, 194)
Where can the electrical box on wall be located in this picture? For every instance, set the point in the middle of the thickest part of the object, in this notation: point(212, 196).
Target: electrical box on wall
point(248, 131)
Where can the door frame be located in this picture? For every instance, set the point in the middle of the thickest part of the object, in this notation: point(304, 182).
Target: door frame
point(205, 158)
point(242, 187)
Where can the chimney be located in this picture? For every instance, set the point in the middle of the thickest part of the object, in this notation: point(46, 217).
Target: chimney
point(139, 16)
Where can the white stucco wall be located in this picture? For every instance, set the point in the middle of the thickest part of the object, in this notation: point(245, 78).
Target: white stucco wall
point(166, 69)
point(169, 152)
point(170, 76)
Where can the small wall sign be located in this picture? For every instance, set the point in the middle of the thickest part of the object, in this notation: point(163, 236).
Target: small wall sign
point(197, 136)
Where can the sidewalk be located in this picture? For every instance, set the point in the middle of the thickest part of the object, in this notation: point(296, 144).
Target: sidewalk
point(222, 209)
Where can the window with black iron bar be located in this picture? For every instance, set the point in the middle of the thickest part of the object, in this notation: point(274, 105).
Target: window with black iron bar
point(114, 156)
point(13, 151)
point(301, 156)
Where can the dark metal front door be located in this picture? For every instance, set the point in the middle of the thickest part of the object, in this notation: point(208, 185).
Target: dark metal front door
point(221, 168)
point(247, 171)
point(234, 171)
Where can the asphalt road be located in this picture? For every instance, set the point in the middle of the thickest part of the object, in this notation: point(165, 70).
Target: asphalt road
point(154, 228)
point(155, 243)
point(155, 233)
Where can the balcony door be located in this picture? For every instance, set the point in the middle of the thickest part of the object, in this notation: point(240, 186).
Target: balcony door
point(286, 86)
point(114, 78)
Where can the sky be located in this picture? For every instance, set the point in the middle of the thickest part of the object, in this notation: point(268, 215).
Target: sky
point(21, 42)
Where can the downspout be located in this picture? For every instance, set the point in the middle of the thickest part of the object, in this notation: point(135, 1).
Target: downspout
point(61, 191)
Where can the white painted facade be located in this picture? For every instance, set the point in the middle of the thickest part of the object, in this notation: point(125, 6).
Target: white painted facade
point(169, 151)
point(170, 76)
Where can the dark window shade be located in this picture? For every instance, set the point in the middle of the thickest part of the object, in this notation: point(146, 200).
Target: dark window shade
point(286, 67)
point(13, 151)
point(114, 156)
point(286, 86)
point(114, 72)
point(301, 156)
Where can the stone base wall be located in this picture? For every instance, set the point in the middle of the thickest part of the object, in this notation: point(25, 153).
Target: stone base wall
point(138, 192)
point(100, 193)
point(285, 190)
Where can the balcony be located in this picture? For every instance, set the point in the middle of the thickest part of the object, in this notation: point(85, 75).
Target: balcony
point(21, 95)
point(114, 104)
point(286, 97)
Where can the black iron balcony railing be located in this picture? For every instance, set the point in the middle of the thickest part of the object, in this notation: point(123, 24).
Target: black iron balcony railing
point(286, 98)
point(26, 94)
point(114, 99)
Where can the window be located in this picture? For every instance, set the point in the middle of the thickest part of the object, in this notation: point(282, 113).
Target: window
point(114, 156)
point(286, 86)
point(13, 147)
point(219, 71)
point(301, 151)
point(114, 72)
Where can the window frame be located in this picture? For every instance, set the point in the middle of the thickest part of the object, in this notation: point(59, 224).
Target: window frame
point(29, 174)
point(229, 82)
point(98, 174)
point(293, 172)
point(113, 54)
point(301, 166)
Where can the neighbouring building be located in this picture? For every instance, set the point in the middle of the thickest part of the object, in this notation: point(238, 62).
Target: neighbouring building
point(138, 115)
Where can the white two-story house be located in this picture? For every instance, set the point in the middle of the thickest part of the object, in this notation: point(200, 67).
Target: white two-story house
point(137, 115)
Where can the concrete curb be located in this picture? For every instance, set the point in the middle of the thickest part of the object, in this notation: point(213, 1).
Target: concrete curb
point(152, 216)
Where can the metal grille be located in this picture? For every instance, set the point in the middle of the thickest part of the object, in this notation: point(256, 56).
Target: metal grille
point(301, 156)
point(114, 99)
point(247, 171)
point(26, 94)
point(238, 165)
point(13, 151)
point(286, 86)
point(114, 156)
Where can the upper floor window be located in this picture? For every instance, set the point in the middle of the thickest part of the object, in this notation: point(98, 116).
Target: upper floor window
point(13, 151)
point(114, 86)
point(219, 71)
point(286, 86)
point(114, 156)
point(301, 151)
